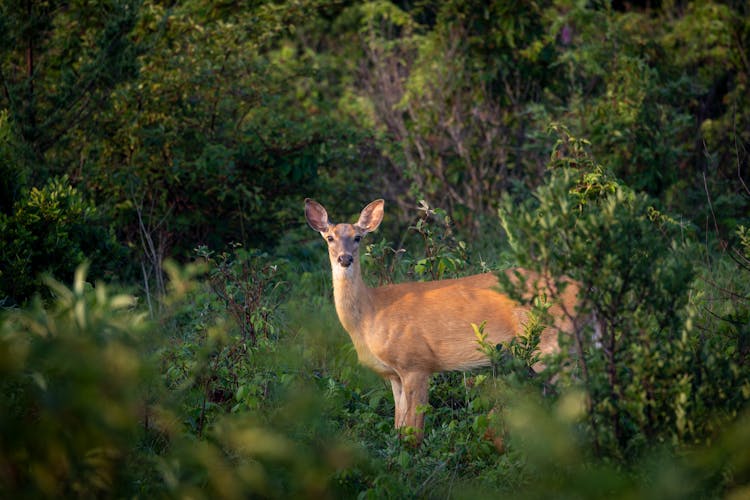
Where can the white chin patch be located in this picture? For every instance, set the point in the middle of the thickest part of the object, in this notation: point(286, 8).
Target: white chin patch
point(340, 272)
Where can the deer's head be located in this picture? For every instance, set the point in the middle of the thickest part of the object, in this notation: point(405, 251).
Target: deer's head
point(343, 239)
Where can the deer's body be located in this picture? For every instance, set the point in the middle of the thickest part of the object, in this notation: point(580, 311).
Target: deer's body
point(408, 331)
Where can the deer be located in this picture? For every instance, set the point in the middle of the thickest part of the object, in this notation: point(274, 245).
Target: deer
point(406, 332)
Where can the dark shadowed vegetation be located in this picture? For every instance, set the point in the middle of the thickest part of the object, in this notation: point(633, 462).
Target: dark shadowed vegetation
point(167, 326)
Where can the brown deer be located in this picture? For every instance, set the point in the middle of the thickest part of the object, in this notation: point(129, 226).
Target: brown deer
point(407, 332)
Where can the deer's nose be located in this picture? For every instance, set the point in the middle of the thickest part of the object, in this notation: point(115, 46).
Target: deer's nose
point(345, 260)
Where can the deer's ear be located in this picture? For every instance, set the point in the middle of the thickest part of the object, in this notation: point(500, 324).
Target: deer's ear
point(316, 215)
point(371, 216)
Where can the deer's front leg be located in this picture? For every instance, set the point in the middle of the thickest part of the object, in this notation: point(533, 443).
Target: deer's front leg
point(398, 393)
point(414, 394)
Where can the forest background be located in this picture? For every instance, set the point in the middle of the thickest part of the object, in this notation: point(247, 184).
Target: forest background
point(167, 323)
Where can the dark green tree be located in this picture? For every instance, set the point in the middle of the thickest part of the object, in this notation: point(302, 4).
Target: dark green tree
point(59, 62)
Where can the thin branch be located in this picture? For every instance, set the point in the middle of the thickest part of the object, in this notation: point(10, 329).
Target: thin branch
point(737, 151)
point(740, 259)
point(710, 205)
point(733, 322)
point(148, 291)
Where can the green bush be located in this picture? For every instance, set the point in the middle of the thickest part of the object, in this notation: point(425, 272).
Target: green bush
point(245, 408)
point(635, 277)
point(72, 389)
point(721, 297)
point(644, 369)
point(222, 338)
point(51, 231)
point(95, 402)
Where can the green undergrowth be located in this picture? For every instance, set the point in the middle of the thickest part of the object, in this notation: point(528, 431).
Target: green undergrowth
point(245, 384)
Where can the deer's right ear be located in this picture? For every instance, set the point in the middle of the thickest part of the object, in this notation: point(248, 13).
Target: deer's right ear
point(316, 215)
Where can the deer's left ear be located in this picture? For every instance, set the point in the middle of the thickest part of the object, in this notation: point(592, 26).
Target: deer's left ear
point(316, 215)
point(371, 216)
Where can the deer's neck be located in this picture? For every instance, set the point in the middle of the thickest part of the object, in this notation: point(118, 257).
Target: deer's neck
point(352, 297)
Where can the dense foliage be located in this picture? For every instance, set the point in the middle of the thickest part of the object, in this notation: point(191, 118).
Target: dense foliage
point(165, 148)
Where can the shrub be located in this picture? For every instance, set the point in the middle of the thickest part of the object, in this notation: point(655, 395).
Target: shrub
point(52, 230)
point(633, 267)
point(71, 390)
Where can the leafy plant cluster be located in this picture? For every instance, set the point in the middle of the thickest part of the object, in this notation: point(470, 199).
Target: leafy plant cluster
point(73, 390)
point(443, 255)
point(53, 230)
point(642, 361)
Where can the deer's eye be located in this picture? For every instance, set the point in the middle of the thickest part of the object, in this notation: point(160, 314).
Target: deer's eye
point(330, 239)
point(357, 239)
